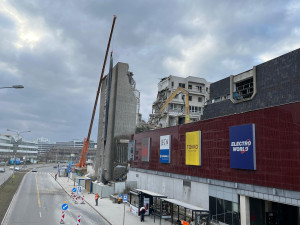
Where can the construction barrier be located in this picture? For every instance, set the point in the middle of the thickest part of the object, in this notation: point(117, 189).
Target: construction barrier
point(82, 200)
point(62, 217)
point(76, 202)
point(78, 220)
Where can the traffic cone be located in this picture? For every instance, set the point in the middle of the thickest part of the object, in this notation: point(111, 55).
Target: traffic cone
point(62, 217)
point(82, 200)
point(78, 220)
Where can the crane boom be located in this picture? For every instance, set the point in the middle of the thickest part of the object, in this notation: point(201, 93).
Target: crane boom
point(87, 140)
point(187, 109)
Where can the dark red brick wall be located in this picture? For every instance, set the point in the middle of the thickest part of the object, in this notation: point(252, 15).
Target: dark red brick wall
point(277, 132)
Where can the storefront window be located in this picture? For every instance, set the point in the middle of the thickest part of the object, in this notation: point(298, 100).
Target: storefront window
point(134, 200)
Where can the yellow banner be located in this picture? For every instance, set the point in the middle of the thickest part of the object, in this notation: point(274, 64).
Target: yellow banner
point(193, 148)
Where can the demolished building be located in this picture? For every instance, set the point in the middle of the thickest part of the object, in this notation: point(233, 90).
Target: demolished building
point(118, 117)
point(174, 113)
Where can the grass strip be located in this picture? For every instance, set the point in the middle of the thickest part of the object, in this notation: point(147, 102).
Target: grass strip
point(7, 191)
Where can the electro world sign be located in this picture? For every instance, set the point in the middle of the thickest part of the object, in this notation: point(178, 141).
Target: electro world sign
point(165, 149)
point(242, 147)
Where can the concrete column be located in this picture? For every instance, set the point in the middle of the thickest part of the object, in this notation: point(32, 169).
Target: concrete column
point(244, 210)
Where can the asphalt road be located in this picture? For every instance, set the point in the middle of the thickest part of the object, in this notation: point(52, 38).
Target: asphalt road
point(39, 200)
point(4, 176)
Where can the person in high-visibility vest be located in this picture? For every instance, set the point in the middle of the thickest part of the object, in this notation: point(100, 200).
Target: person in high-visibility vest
point(96, 198)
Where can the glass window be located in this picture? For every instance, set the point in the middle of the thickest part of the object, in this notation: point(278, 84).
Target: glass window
point(199, 99)
point(190, 86)
point(212, 206)
point(182, 85)
point(220, 210)
point(228, 211)
point(172, 83)
point(190, 98)
point(134, 200)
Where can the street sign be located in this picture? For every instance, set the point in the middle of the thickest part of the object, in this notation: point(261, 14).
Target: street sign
point(69, 170)
point(74, 190)
point(125, 198)
point(64, 206)
point(120, 196)
point(79, 190)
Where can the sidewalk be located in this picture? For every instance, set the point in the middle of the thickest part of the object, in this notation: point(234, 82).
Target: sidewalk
point(112, 212)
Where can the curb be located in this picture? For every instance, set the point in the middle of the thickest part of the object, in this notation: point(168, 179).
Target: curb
point(86, 202)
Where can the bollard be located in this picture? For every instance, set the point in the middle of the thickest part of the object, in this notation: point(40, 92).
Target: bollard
point(78, 220)
point(62, 217)
point(82, 200)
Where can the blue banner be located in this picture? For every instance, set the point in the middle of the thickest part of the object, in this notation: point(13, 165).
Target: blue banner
point(242, 147)
point(165, 149)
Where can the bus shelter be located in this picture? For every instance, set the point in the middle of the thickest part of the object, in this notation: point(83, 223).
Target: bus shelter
point(182, 213)
point(148, 199)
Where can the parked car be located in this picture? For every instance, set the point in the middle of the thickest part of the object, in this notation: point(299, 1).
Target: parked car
point(2, 169)
point(17, 168)
point(34, 170)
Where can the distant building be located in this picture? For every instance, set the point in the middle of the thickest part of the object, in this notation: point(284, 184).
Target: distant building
point(66, 154)
point(15, 146)
point(75, 144)
point(118, 118)
point(174, 113)
point(44, 145)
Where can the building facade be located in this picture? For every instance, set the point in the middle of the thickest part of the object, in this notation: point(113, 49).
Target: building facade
point(118, 117)
point(44, 145)
point(13, 146)
point(242, 160)
point(174, 113)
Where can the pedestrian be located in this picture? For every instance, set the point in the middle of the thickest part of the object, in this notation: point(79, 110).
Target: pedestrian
point(151, 210)
point(55, 176)
point(142, 212)
point(96, 198)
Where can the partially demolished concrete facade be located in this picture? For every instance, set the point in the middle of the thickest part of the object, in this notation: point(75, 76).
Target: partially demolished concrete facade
point(118, 118)
point(174, 113)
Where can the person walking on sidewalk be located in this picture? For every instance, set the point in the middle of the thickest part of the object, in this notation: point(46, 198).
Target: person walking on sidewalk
point(55, 176)
point(96, 198)
point(142, 211)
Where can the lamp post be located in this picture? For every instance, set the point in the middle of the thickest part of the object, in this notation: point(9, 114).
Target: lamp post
point(14, 86)
point(16, 143)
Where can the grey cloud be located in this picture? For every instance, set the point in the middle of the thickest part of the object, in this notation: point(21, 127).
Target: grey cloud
point(62, 71)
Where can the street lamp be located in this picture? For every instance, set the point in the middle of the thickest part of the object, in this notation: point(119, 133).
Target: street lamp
point(14, 86)
point(16, 143)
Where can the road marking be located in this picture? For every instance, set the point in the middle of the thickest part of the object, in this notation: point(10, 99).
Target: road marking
point(40, 214)
point(37, 190)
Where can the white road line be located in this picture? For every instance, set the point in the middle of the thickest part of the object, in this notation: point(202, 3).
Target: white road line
point(40, 214)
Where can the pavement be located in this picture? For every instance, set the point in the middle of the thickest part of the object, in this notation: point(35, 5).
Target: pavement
point(113, 213)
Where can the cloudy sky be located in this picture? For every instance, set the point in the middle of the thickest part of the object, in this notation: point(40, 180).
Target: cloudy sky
point(56, 50)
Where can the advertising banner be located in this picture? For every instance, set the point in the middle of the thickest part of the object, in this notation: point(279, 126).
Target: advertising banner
point(145, 149)
point(131, 149)
point(242, 147)
point(193, 148)
point(165, 149)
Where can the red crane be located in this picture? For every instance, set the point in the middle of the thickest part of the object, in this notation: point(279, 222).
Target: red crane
point(87, 140)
